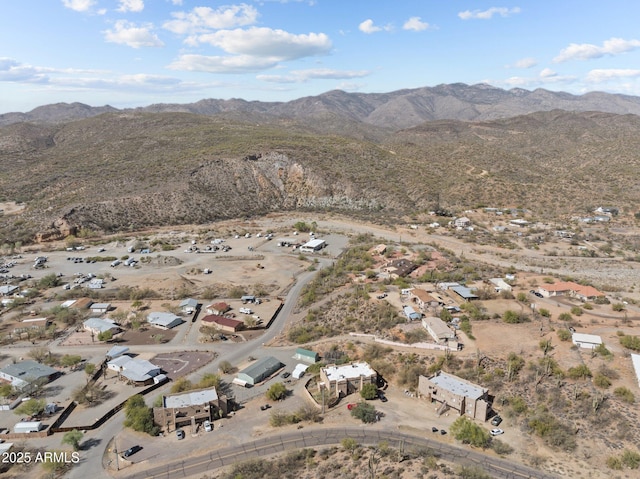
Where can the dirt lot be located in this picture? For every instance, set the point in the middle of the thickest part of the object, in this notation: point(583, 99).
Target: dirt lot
point(182, 363)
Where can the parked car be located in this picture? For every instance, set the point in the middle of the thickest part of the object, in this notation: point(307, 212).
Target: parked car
point(382, 397)
point(285, 375)
point(265, 407)
point(443, 432)
point(207, 426)
point(434, 429)
point(496, 432)
point(496, 421)
point(180, 433)
point(131, 451)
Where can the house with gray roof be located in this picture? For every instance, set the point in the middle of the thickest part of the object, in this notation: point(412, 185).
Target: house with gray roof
point(164, 320)
point(259, 371)
point(98, 325)
point(23, 373)
point(136, 371)
point(188, 306)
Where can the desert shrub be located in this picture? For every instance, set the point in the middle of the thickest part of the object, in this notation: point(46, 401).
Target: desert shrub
point(624, 394)
point(564, 334)
point(365, 412)
point(552, 431)
point(581, 371)
point(630, 342)
point(276, 392)
point(601, 381)
point(576, 311)
point(465, 430)
point(545, 313)
point(501, 447)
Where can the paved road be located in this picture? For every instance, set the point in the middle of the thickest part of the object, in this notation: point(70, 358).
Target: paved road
point(497, 467)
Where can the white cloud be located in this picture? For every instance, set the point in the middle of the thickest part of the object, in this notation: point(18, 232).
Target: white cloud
point(525, 63)
point(603, 75)
point(79, 5)
point(277, 45)
point(588, 51)
point(415, 24)
point(202, 19)
point(368, 27)
point(300, 76)
point(547, 73)
point(131, 5)
point(488, 14)
point(127, 33)
point(219, 64)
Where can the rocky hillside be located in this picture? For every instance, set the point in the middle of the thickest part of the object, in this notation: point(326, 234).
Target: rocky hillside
point(127, 170)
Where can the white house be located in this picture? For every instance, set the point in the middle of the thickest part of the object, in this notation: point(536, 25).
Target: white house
point(312, 246)
point(164, 320)
point(97, 325)
point(100, 307)
point(188, 306)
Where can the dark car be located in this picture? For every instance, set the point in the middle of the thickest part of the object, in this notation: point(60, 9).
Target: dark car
point(131, 451)
point(434, 429)
point(443, 432)
point(285, 375)
point(496, 421)
point(265, 407)
point(382, 397)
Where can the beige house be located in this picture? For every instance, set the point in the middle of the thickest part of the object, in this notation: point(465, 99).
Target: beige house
point(190, 409)
point(438, 329)
point(454, 393)
point(340, 381)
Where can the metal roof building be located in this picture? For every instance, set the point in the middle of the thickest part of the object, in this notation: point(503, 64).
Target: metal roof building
point(260, 370)
point(22, 373)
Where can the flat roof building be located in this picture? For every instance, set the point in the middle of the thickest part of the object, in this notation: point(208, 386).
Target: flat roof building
point(190, 408)
point(313, 246)
point(438, 329)
point(455, 393)
point(343, 380)
point(586, 341)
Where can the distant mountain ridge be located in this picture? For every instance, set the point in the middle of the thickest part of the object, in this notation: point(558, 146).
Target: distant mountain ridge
point(394, 110)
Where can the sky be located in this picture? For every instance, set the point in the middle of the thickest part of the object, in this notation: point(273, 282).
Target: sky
point(128, 53)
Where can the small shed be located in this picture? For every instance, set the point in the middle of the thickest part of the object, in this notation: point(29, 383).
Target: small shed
point(100, 307)
point(306, 355)
point(116, 351)
point(410, 313)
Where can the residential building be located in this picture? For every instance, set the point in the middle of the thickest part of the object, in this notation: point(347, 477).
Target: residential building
point(500, 285)
point(116, 351)
point(218, 308)
point(164, 320)
point(462, 222)
point(378, 250)
point(411, 313)
point(423, 299)
point(136, 371)
point(23, 373)
point(439, 330)
point(457, 394)
point(569, 288)
point(99, 325)
point(340, 381)
point(399, 268)
point(223, 323)
point(7, 289)
point(465, 293)
point(100, 308)
point(188, 306)
point(190, 408)
point(313, 246)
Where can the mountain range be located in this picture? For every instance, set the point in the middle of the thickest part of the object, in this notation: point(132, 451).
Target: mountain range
point(77, 167)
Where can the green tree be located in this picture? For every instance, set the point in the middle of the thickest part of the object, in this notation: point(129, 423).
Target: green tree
point(365, 412)
point(369, 391)
point(48, 281)
point(276, 392)
point(139, 417)
point(6, 390)
point(105, 335)
point(31, 407)
point(73, 439)
point(225, 367)
point(465, 430)
point(209, 380)
point(70, 360)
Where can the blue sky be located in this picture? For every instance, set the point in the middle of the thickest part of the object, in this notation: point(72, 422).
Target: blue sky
point(129, 53)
